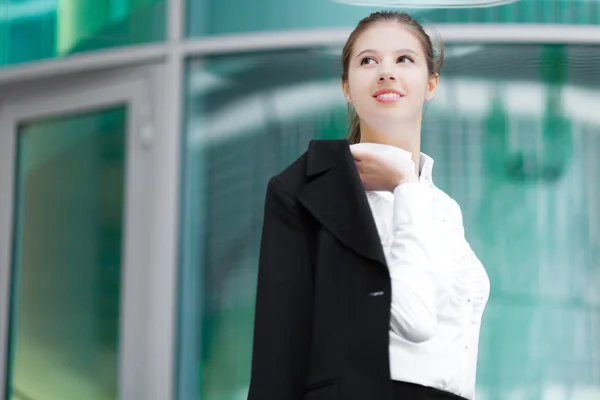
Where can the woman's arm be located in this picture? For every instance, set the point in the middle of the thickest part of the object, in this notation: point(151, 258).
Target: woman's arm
point(409, 254)
point(283, 303)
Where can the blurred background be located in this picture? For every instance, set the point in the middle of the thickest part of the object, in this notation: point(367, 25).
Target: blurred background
point(137, 138)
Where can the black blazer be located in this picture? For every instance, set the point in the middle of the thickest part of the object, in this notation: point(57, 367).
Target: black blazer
point(324, 293)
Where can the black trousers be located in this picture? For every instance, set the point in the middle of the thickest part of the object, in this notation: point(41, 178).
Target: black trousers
point(411, 391)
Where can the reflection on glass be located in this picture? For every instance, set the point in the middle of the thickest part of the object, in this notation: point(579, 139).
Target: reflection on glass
point(514, 134)
point(33, 30)
point(426, 3)
point(211, 17)
point(67, 262)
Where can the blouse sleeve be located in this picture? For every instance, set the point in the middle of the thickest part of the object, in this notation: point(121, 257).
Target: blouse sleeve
point(409, 254)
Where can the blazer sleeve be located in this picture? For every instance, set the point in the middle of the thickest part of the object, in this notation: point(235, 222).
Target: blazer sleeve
point(283, 313)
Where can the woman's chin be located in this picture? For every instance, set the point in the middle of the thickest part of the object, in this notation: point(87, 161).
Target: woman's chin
point(390, 117)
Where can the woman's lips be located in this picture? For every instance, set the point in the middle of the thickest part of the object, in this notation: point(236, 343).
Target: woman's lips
point(388, 95)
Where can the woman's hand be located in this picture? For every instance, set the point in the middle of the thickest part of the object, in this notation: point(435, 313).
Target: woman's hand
point(383, 171)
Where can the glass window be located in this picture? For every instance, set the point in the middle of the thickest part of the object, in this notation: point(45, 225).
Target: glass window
point(210, 17)
point(66, 280)
point(33, 30)
point(514, 134)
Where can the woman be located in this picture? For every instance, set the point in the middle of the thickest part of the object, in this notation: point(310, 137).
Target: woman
point(376, 296)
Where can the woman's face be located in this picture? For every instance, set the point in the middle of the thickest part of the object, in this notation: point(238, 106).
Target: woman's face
point(388, 80)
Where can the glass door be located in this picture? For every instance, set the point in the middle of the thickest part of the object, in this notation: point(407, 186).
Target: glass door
point(73, 182)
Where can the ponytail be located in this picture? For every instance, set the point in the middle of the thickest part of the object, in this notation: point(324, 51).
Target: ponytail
point(353, 134)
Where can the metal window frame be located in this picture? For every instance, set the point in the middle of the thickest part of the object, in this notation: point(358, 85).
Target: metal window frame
point(130, 89)
point(176, 50)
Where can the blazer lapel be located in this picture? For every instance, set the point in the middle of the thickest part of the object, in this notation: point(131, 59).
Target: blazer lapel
point(336, 198)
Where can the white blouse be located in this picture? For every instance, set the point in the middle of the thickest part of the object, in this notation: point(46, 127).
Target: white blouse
point(439, 287)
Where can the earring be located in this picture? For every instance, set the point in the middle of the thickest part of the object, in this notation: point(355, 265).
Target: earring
point(348, 98)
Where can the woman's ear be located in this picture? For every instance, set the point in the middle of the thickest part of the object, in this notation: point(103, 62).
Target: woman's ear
point(432, 85)
point(346, 90)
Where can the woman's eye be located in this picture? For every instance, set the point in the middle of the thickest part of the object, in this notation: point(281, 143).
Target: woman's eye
point(367, 60)
point(404, 59)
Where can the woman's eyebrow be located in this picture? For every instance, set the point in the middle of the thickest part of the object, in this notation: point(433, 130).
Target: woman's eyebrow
point(397, 51)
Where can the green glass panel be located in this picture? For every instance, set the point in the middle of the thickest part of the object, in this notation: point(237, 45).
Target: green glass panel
point(67, 262)
point(573, 12)
point(514, 134)
point(32, 30)
point(211, 17)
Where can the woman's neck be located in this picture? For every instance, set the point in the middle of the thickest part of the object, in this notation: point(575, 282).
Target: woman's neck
point(408, 139)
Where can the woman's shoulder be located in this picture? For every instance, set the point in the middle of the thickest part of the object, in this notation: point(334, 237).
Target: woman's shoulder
point(318, 157)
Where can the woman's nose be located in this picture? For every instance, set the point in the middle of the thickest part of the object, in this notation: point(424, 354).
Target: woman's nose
point(386, 74)
point(386, 77)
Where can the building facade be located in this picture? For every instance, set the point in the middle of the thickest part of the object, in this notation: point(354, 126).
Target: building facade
point(137, 138)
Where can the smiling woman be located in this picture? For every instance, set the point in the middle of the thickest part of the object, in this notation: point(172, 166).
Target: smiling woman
point(377, 295)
